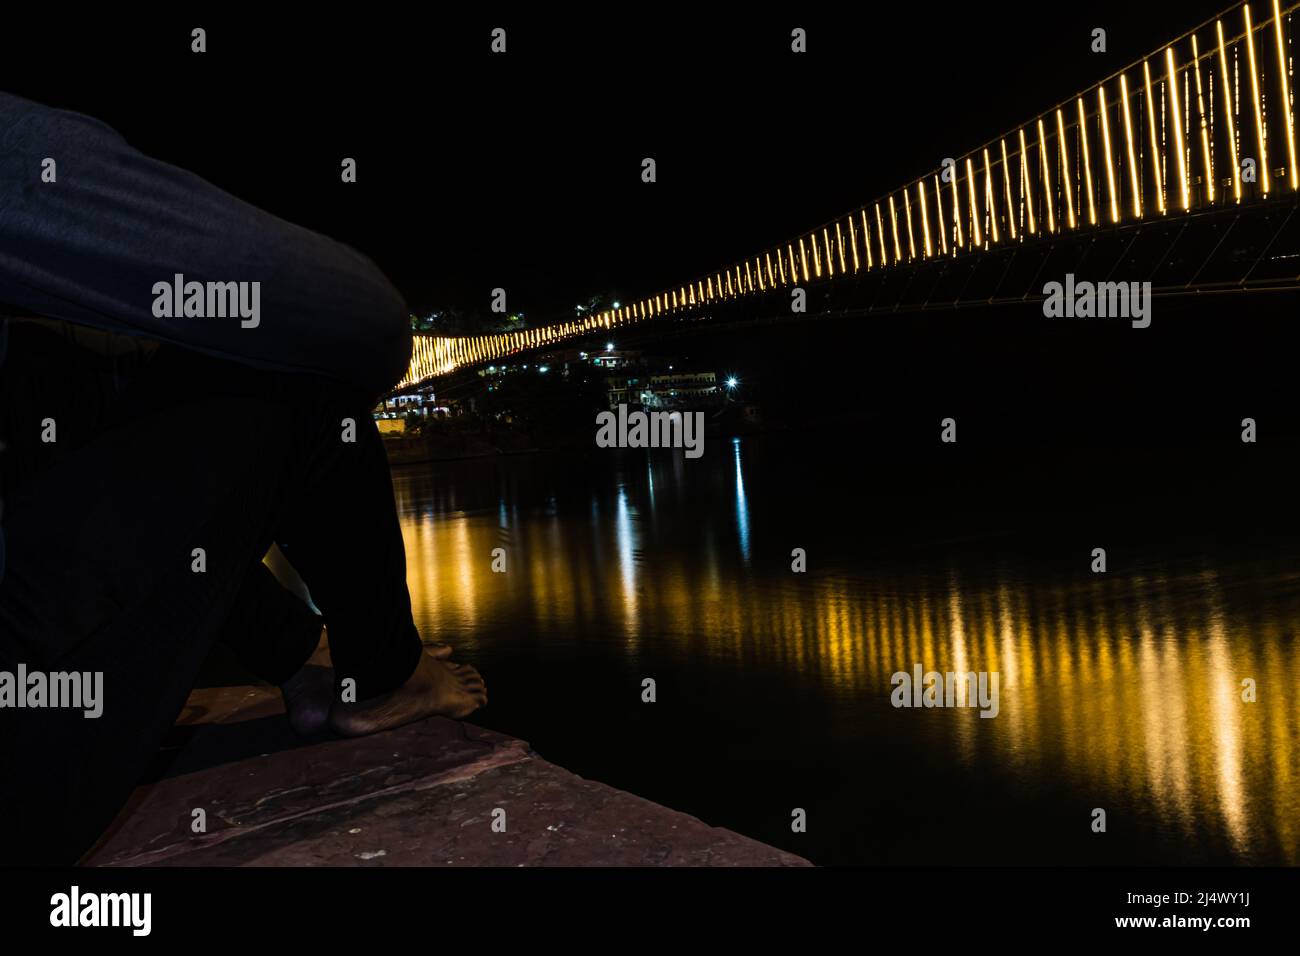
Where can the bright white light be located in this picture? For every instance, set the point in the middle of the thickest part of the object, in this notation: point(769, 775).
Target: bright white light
point(732, 383)
point(609, 346)
point(616, 305)
point(543, 368)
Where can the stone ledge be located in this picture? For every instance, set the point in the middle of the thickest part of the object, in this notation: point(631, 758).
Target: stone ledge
point(421, 795)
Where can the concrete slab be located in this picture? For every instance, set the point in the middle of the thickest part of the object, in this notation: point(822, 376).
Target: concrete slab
point(423, 795)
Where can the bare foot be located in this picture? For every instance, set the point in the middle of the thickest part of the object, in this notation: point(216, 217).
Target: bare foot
point(309, 693)
point(437, 687)
point(307, 696)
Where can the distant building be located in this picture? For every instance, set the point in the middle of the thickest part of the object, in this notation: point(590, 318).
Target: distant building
point(623, 390)
point(615, 358)
point(681, 389)
point(422, 402)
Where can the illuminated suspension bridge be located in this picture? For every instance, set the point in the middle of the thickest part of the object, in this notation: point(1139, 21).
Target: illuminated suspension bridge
point(1179, 169)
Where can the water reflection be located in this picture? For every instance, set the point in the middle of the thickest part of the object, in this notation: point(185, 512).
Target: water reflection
point(742, 506)
point(1126, 689)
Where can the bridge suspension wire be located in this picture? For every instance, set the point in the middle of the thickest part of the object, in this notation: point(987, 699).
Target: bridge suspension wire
point(1228, 82)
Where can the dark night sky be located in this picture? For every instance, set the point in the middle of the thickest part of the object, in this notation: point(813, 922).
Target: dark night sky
point(523, 170)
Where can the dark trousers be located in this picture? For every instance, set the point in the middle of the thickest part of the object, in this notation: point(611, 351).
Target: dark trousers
point(135, 541)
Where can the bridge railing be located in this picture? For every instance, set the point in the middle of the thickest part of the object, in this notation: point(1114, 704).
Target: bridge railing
point(1205, 122)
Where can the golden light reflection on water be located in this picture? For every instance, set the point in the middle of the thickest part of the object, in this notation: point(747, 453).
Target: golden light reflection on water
point(1128, 688)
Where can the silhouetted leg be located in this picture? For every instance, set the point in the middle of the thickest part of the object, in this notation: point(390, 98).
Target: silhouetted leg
point(128, 554)
point(271, 630)
point(344, 515)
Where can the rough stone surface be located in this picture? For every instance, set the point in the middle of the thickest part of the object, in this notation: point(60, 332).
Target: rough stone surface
point(422, 795)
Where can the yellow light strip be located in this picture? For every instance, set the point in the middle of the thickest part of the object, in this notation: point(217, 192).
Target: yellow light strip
point(866, 238)
point(1227, 112)
point(839, 244)
point(1087, 162)
point(1172, 71)
point(893, 226)
point(1065, 168)
point(943, 233)
point(990, 206)
point(803, 258)
point(925, 217)
point(1155, 140)
point(830, 260)
point(1006, 185)
point(1289, 112)
point(853, 243)
point(1047, 178)
point(1132, 156)
point(911, 241)
point(771, 278)
point(1254, 93)
point(1205, 129)
point(1110, 161)
point(880, 232)
point(1026, 184)
point(956, 210)
point(976, 238)
point(794, 268)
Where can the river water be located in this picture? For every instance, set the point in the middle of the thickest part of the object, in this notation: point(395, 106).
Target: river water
point(1126, 691)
